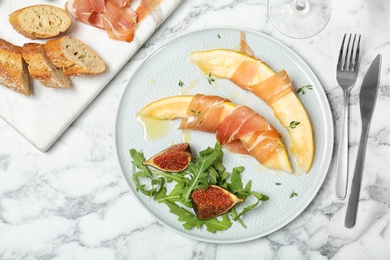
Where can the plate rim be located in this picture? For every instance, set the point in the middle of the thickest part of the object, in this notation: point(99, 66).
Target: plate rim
point(329, 133)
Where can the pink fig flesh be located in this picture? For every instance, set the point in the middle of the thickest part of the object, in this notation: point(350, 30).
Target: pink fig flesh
point(213, 201)
point(173, 159)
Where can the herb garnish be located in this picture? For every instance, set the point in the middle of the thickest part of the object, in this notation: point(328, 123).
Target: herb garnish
point(210, 79)
point(293, 194)
point(302, 89)
point(197, 113)
point(293, 124)
point(278, 183)
point(181, 83)
point(202, 171)
point(219, 36)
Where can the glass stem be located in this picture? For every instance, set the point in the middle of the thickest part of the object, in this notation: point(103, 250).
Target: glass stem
point(300, 5)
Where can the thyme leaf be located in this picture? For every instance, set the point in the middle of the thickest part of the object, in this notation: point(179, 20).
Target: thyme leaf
point(293, 124)
point(302, 89)
point(210, 79)
point(181, 83)
point(293, 194)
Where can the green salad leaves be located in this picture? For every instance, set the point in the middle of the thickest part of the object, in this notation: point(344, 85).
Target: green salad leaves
point(204, 170)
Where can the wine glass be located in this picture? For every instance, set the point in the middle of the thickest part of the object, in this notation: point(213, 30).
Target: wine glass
point(299, 18)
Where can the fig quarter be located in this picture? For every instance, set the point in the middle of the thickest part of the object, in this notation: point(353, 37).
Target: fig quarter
point(173, 159)
point(213, 201)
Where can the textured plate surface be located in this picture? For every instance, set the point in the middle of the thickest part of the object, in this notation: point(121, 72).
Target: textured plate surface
point(158, 77)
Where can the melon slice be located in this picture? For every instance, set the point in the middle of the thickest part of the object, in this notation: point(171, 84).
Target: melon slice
point(247, 71)
point(176, 107)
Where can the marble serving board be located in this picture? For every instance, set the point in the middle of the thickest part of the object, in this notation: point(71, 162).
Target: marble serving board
point(43, 116)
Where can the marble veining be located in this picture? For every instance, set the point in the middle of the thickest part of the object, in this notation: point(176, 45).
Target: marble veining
point(73, 203)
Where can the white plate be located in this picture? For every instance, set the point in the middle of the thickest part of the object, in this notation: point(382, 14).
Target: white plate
point(158, 77)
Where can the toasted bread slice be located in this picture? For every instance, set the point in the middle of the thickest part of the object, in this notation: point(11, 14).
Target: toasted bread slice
point(74, 57)
point(13, 69)
point(42, 69)
point(40, 21)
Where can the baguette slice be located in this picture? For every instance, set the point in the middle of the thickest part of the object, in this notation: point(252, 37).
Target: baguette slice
point(13, 69)
point(74, 57)
point(40, 21)
point(42, 69)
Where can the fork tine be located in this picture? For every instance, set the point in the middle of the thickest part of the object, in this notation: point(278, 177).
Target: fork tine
point(340, 61)
point(352, 61)
point(356, 67)
point(346, 65)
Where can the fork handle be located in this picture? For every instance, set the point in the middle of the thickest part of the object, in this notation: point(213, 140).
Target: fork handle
point(353, 200)
point(342, 153)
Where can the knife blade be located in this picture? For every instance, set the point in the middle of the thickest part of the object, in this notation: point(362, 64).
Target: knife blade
point(367, 98)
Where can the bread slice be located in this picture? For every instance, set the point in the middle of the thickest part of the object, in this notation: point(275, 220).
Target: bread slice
point(42, 69)
point(13, 69)
point(74, 57)
point(40, 21)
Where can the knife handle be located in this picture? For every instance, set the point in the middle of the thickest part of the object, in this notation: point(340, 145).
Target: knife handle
point(352, 205)
point(342, 153)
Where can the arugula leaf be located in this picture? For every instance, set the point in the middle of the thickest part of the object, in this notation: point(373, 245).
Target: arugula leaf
point(198, 172)
point(236, 217)
point(215, 224)
point(173, 196)
point(190, 220)
point(222, 181)
point(202, 171)
point(259, 197)
point(138, 158)
point(235, 185)
point(178, 177)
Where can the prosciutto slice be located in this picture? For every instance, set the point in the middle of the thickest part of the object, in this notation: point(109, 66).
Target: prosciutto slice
point(273, 88)
point(146, 7)
point(243, 121)
point(204, 113)
point(269, 90)
point(238, 128)
point(80, 10)
point(115, 16)
point(256, 135)
point(120, 23)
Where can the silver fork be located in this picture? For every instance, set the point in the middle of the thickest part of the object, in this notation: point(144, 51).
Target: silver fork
point(347, 72)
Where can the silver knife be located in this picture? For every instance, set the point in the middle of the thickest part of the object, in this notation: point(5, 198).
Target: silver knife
point(367, 98)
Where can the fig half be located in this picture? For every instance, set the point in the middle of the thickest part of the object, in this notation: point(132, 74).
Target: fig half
point(173, 159)
point(213, 201)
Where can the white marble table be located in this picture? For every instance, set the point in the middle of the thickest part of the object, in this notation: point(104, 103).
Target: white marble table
point(73, 203)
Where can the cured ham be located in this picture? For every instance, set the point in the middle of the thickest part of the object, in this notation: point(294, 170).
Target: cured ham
point(121, 3)
point(270, 89)
point(120, 23)
point(275, 89)
point(256, 135)
point(115, 16)
point(244, 47)
point(237, 128)
point(243, 121)
point(204, 113)
point(146, 7)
